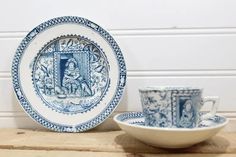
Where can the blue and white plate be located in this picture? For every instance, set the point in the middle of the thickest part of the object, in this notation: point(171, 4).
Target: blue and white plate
point(133, 124)
point(69, 74)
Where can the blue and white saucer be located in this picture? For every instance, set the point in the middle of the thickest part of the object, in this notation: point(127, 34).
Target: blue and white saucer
point(133, 124)
point(69, 74)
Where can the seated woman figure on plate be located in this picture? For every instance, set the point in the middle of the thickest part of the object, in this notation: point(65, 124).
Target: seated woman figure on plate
point(72, 79)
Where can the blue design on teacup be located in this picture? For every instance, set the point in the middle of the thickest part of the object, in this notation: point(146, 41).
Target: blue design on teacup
point(71, 74)
point(187, 115)
point(185, 107)
point(171, 108)
point(157, 108)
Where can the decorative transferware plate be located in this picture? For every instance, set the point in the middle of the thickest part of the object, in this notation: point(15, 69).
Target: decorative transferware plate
point(68, 74)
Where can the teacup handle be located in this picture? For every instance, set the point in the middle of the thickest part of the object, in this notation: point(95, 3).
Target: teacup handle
point(215, 104)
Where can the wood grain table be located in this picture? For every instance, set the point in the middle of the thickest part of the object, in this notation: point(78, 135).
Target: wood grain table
point(24, 143)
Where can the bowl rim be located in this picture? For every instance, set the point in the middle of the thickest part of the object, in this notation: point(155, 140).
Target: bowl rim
point(170, 129)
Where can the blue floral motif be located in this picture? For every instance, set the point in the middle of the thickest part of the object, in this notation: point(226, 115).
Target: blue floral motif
point(157, 108)
point(149, 100)
point(156, 119)
point(71, 74)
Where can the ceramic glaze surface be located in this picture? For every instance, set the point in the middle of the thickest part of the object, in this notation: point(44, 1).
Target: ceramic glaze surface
point(133, 123)
point(68, 74)
point(137, 118)
point(71, 74)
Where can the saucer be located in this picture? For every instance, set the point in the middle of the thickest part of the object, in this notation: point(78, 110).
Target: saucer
point(133, 124)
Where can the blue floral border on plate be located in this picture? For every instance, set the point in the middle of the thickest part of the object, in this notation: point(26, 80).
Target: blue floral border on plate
point(22, 98)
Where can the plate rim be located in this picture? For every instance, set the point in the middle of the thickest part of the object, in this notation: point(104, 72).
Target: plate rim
point(110, 106)
point(115, 118)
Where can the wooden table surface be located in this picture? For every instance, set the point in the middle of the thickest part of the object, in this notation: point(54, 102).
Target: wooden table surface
point(24, 143)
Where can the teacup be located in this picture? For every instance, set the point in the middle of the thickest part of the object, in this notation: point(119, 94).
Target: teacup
point(177, 107)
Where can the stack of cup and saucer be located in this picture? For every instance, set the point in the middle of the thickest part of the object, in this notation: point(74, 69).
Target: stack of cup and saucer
point(172, 117)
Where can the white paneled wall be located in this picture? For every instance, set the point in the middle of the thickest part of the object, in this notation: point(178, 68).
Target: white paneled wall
point(164, 42)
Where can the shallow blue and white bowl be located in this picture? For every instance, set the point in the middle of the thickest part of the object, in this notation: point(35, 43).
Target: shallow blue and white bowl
point(133, 124)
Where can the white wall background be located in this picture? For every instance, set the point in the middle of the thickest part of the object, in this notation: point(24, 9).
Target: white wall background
point(164, 42)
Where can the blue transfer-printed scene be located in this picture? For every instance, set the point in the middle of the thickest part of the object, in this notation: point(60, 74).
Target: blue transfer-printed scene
point(157, 108)
point(71, 74)
point(186, 112)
